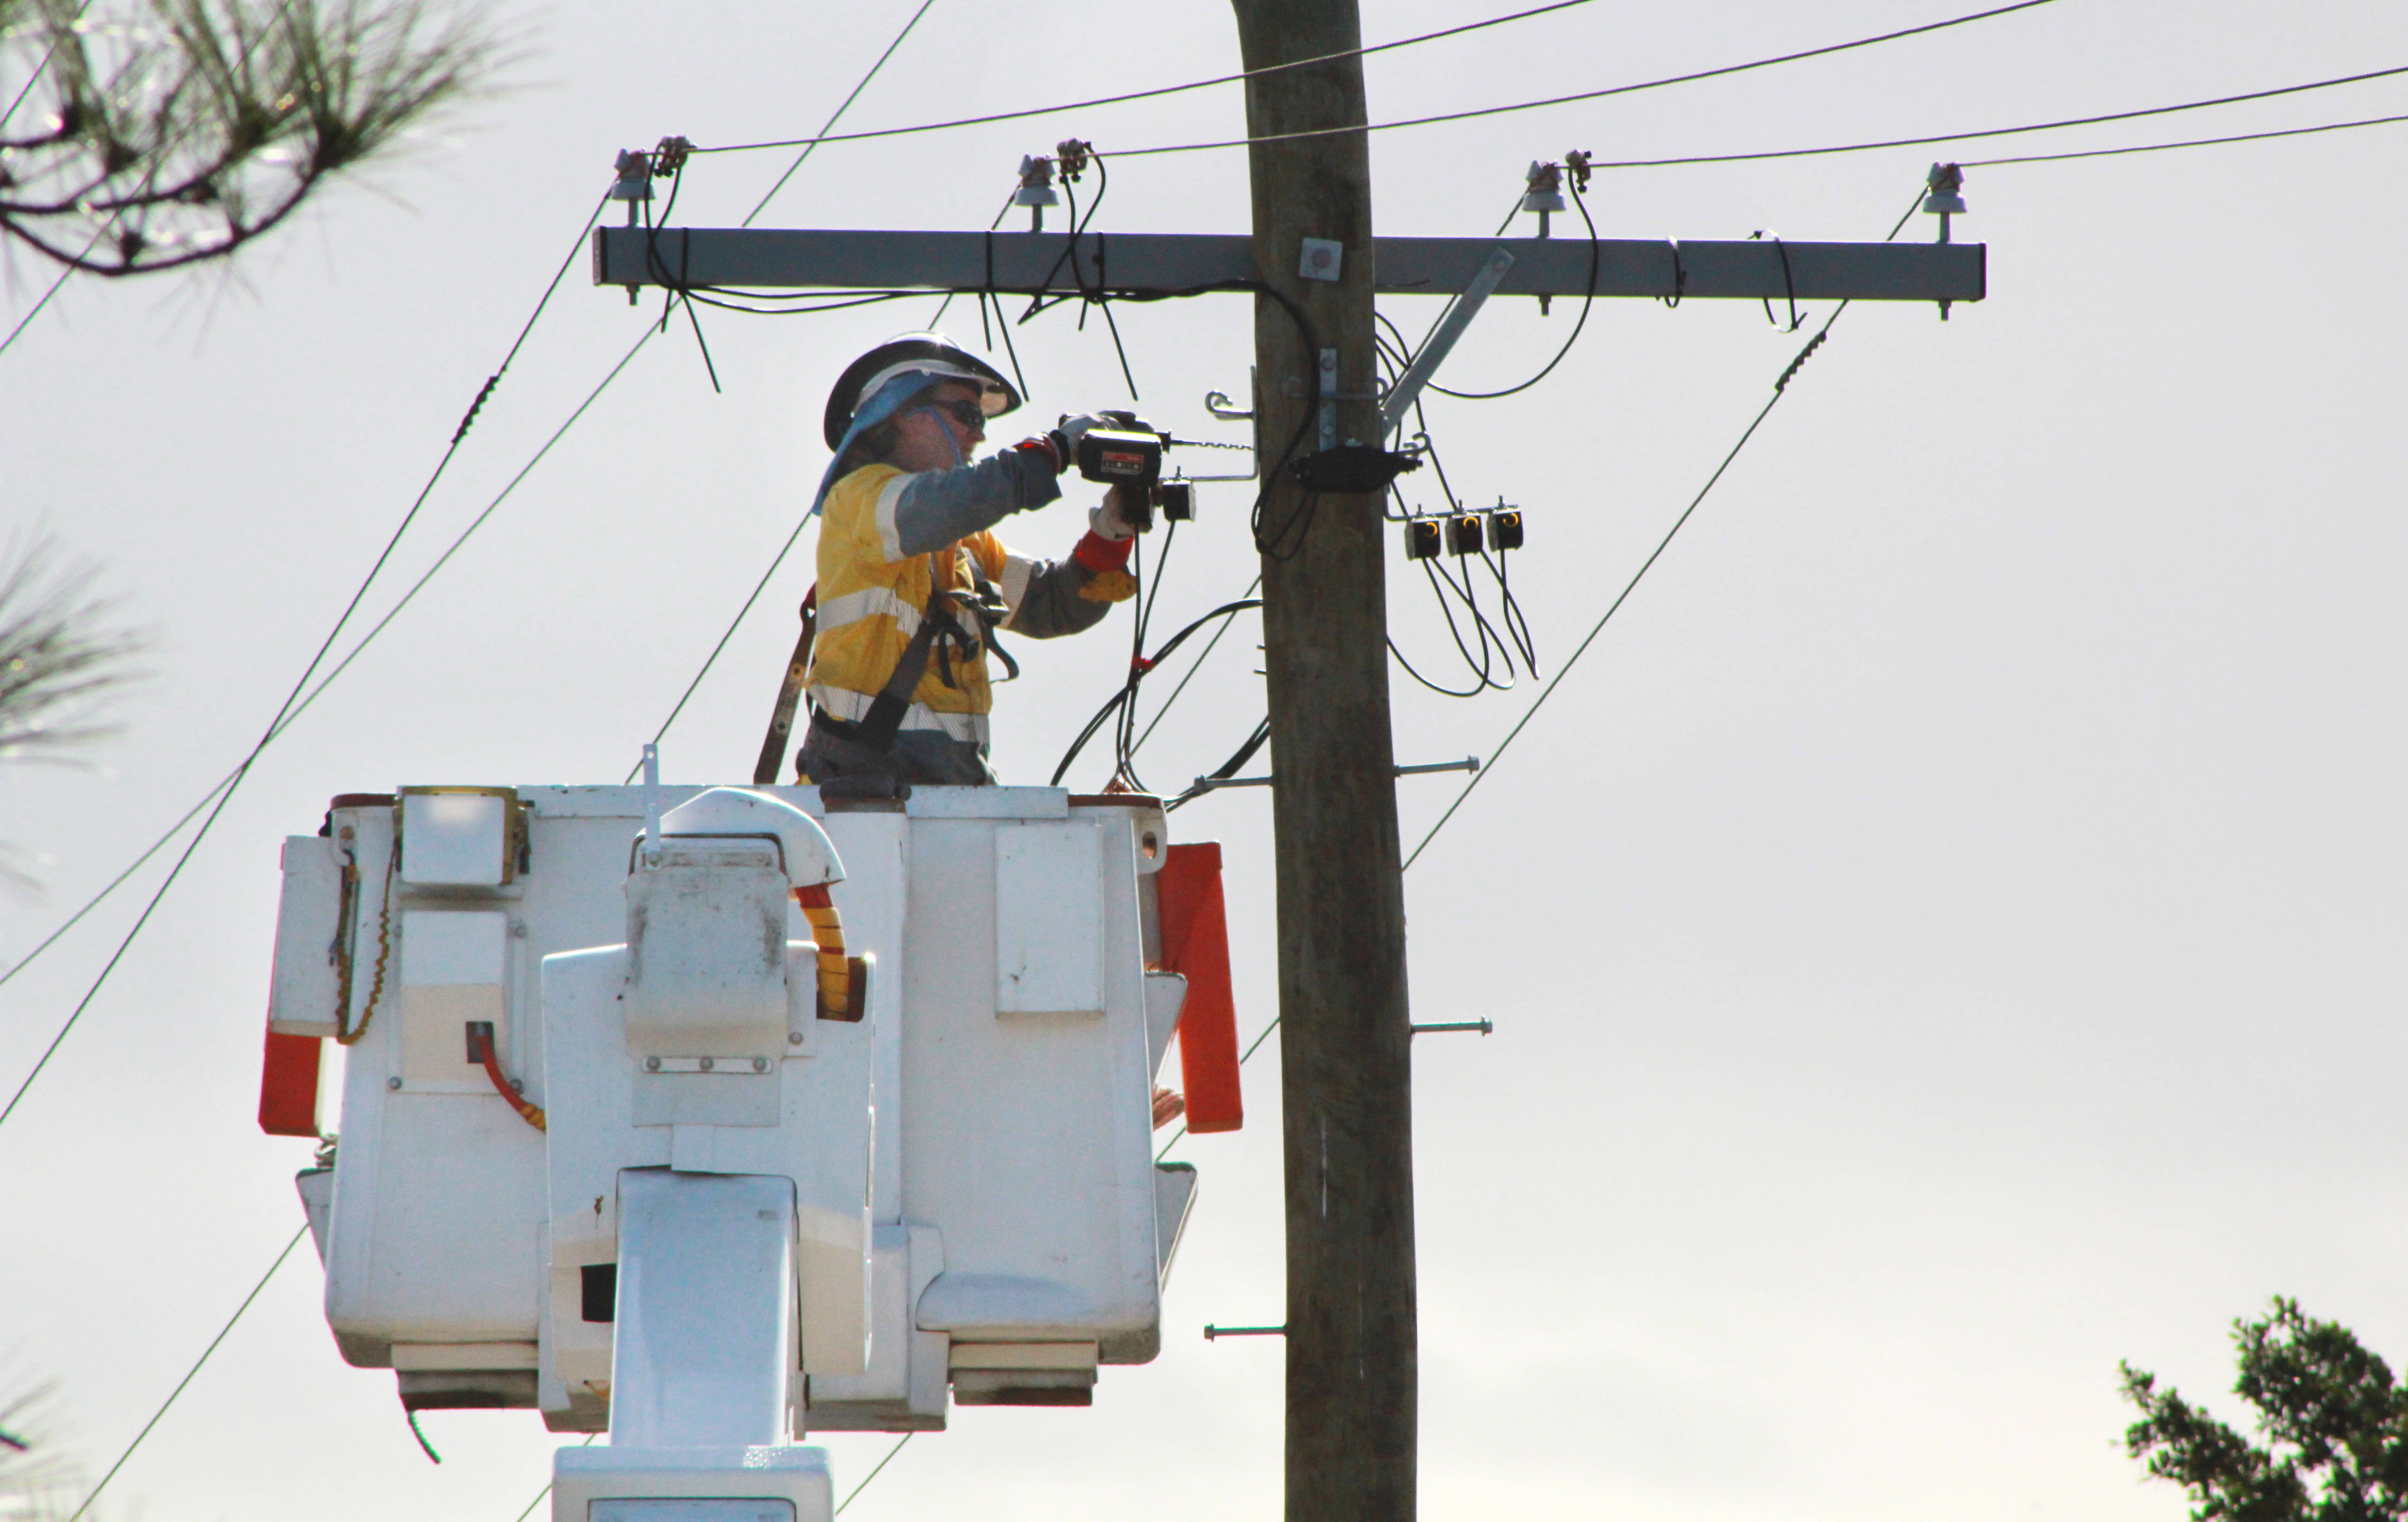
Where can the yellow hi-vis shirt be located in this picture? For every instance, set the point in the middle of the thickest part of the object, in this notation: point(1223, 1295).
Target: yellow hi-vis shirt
point(869, 606)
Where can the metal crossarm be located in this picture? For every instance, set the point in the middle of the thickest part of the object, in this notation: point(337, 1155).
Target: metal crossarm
point(1027, 263)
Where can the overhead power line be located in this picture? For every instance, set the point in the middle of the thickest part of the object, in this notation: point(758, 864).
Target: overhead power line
point(873, 1473)
point(292, 711)
point(189, 1374)
point(39, 69)
point(825, 136)
point(1780, 389)
point(286, 710)
point(842, 107)
point(2193, 142)
point(783, 549)
point(2009, 132)
point(1792, 152)
point(224, 792)
point(36, 310)
point(293, 700)
point(1595, 95)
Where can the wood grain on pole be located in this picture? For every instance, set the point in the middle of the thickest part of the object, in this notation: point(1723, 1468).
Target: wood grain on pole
point(1345, 1045)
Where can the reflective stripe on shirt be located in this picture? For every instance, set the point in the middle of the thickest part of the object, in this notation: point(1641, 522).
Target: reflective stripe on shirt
point(889, 535)
point(870, 602)
point(853, 707)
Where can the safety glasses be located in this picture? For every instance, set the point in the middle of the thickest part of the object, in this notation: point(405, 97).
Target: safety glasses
point(966, 413)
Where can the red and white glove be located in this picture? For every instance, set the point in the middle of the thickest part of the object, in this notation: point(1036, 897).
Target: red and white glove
point(1108, 522)
point(1049, 445)
point(1103, 552)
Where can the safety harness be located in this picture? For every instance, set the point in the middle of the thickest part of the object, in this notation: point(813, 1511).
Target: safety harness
point(941, 633)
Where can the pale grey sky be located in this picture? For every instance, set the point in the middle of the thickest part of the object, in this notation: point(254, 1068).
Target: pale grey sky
point(1940, 937)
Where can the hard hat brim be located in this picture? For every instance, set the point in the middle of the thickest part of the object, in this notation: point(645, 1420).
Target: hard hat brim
point(927, 354)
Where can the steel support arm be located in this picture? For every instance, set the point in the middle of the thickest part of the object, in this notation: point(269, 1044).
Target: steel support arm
point(1026, 264)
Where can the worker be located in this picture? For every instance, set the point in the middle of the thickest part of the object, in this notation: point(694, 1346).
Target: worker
point(912, 584)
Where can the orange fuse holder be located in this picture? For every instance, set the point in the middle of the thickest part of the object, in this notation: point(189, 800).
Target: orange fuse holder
point(1195, 944)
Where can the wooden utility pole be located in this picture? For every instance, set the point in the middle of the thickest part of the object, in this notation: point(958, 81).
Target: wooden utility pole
point(1345, 1042)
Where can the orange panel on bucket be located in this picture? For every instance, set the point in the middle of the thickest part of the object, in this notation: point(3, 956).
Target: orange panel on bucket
point(1195, 944)
point(288, 1085)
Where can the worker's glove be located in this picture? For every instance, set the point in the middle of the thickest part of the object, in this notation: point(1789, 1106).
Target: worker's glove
point(1067, 432)
point(1102, 555)
point(1108, 522)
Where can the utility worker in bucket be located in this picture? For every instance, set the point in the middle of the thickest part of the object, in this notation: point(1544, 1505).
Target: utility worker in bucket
point(912, 586)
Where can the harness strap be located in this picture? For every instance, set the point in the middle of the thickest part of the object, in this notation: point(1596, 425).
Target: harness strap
point(790, 692)
point(939, 631)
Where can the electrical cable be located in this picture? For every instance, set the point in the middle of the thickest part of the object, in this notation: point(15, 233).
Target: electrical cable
point(294, 701)
point(1509, 609)
point(842, 107)
point(285, 713)
point(941, 305)
point(1587, 301)
point(1847, 148)
point(547, 1486)
point(224, 792)
point(180, 1384)
point(39, 69)
point(672, 292)
point(783, 549)
point(1513, 637)
point(36, 310)
point(1478, 675)
point(1097, 300)
point(1193, 668)
point(425, 1447)
point(1593, 94)
point(1087, 296)
point(2195, 142)
point(872, 1474)
point(2000, 132)
point(292, 712)
point(1124, 739)
point(705, 294)
point(1069, 255)
point(1300, 519)
point(1128, 689)
point(1243, 754)
point(1144, 95)
point(1779, 390)
point(1149, 592)
point(1398, 361)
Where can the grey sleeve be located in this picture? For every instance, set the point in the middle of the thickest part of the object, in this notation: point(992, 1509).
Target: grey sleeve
point(938, 507)
point(1051, 606)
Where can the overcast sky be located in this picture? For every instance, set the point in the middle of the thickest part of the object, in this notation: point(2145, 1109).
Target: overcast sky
point(1941, 937)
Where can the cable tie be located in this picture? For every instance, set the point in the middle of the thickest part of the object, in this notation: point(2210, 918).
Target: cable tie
point(1788, 285)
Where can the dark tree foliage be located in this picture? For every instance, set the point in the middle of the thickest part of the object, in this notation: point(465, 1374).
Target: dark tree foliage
point(59, 662)
point(36, 1482)
point(2334, 1420)
point(55, 657)
point(161, 133)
